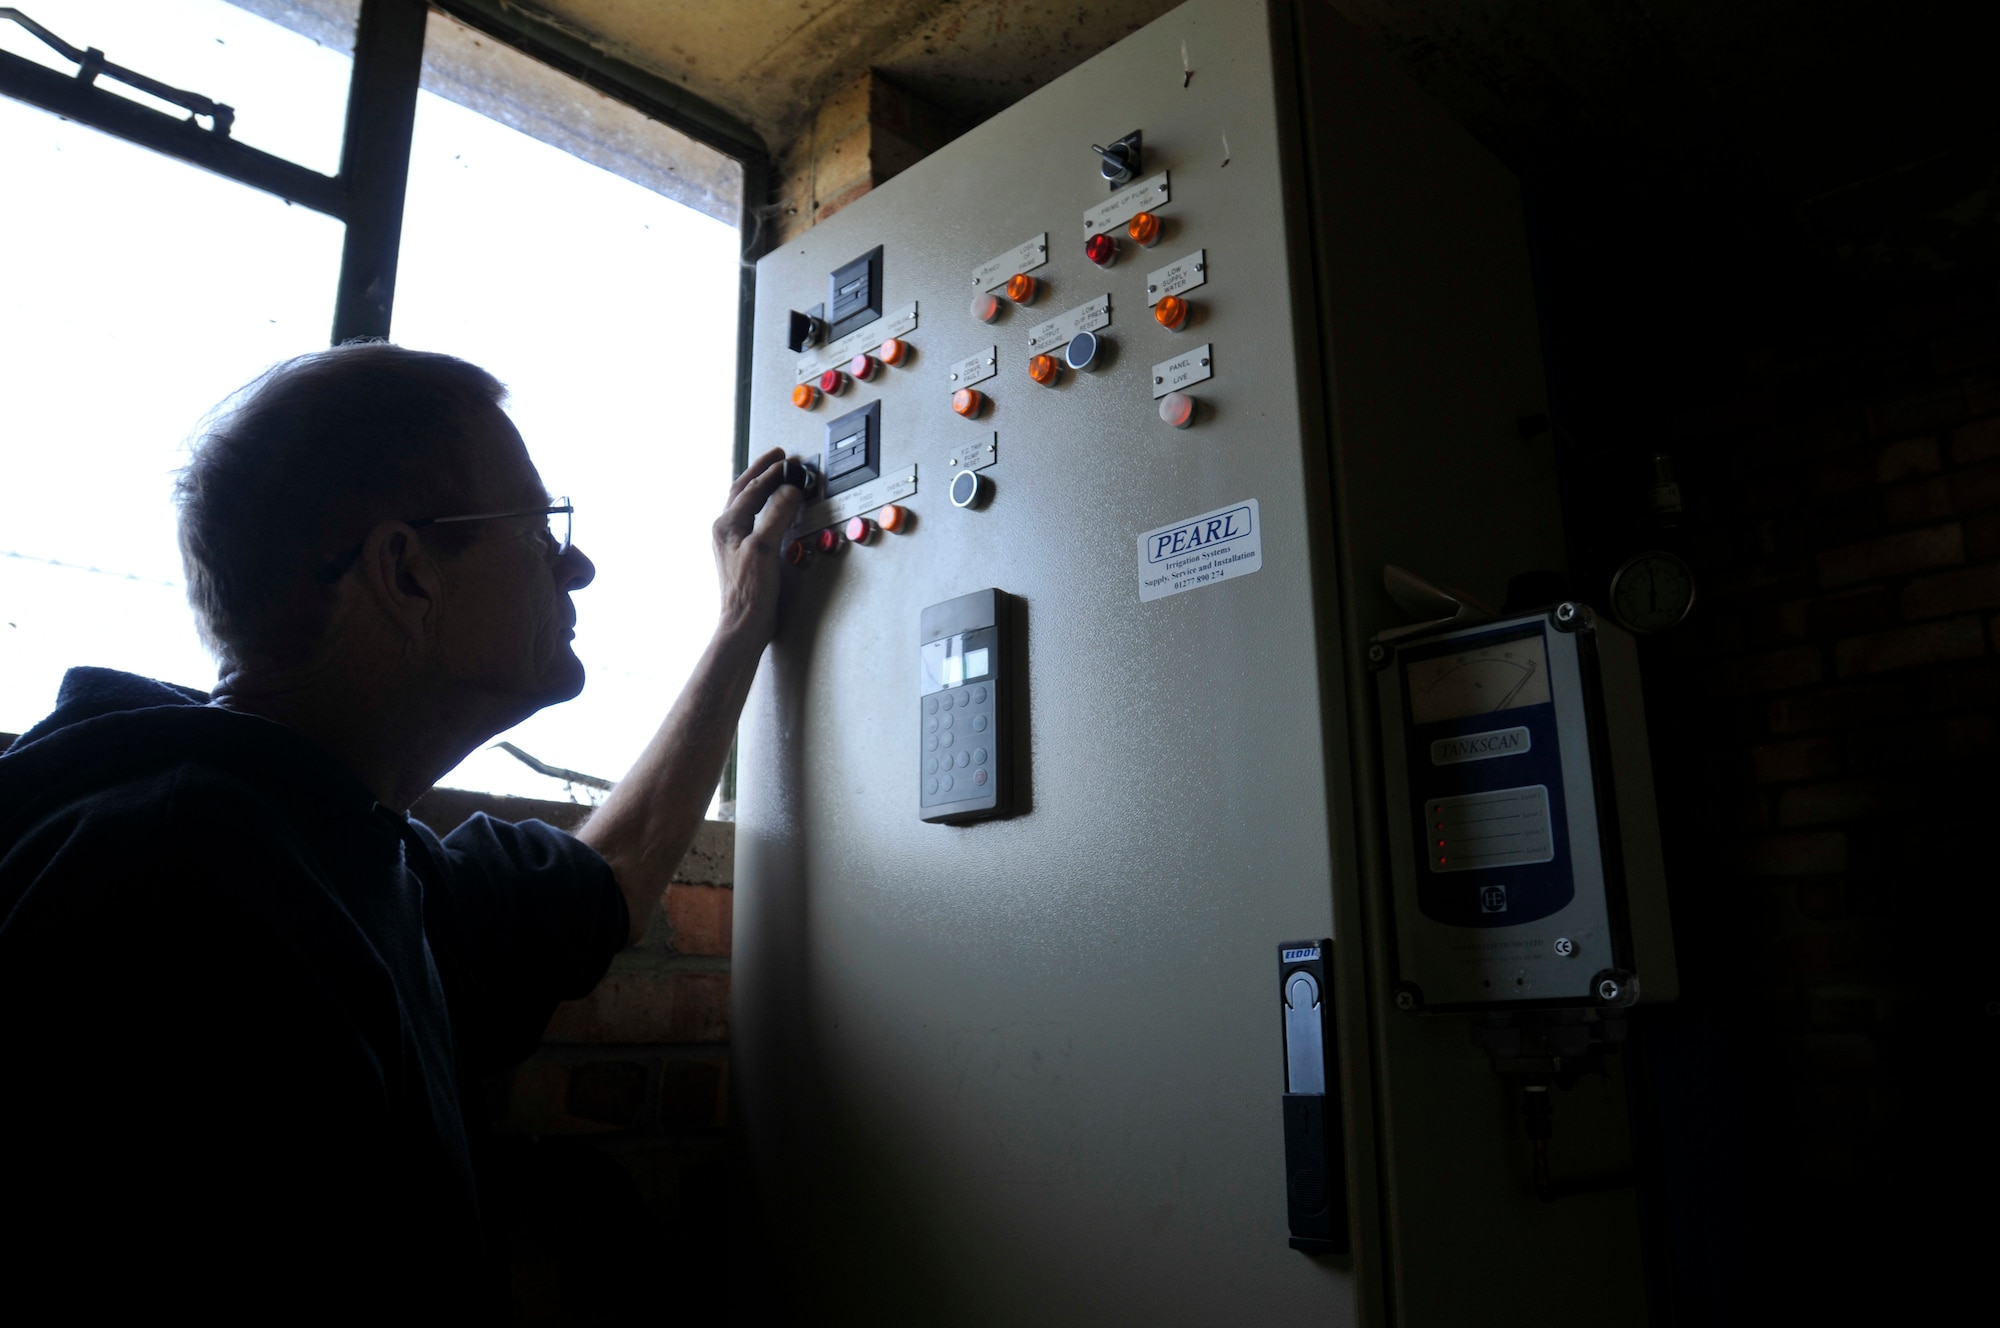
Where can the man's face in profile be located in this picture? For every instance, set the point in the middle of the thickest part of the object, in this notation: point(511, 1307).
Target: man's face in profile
point(507, 622)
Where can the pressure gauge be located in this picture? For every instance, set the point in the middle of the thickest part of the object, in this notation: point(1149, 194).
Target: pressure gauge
point(1652, 591)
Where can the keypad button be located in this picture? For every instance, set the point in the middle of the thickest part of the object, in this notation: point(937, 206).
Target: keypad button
point(964, 759)
point(946, 720)
point(930, 725)
point(930, 744)
point(945, 783)
point(979, 695)
point(930, 705)
point(979, 756)
point(930, 766)
point(964, 700)
point(979, 777)
point(979, 723)
point(944, 740)
point(930, 786)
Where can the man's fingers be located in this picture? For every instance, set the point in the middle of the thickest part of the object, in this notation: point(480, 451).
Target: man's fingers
point(758, 465)
point(777, 517)
point(750, 494)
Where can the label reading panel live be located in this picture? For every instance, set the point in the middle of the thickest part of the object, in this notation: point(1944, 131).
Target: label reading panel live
point(1084, 318)
point(976, 367)
point(1023, 257)
point(1224, 545)
point(1197, 366)
point(1122, 206)
point(1183, 274)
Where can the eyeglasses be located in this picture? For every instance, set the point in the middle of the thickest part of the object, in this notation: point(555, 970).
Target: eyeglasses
point(561, 517)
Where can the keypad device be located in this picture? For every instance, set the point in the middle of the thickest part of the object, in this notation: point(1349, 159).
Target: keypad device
point(963, 692)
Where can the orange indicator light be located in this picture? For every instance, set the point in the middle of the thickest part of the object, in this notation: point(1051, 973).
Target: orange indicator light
point(805, 396)
point(1101, 250)
point(893, 518)
point(968, 401)
point(1045, 369)
point(796, 553)
point(893, 351)
point(1022, 288)
point(1171, 312)
point(1145, 229)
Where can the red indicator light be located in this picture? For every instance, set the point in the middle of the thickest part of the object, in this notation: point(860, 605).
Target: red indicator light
point(796, 553)
point(1045, 369)
point(1171, 312)
point(1145, 229)
point(863, 366)
point(828, 540)
point(968, 401)
point(1022, 288)
point(1177, 409)
point(833, 382)
point(893, 518)
point(894, 352)
point(860, 530)
point(1101, 250)
point(985, 306)
point(805, 396)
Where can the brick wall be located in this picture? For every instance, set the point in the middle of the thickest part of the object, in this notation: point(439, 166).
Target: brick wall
point(867, 131)
point(609, 1154)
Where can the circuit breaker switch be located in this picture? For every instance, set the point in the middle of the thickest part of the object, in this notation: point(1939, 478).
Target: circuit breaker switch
point(1172, 312)
point(1022, 288)
point(1045, 369)
point(1177, 409)
point(1101, 250)
point(1145, 229)
point(968, 401)
point(986, 306)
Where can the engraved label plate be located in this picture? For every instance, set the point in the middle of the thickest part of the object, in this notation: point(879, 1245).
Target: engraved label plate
point(896, 323)
point(1178, 277)
point(1481, 746)
point(974, 456)
point(1498, 829)
point(1121, 207)
point(1023, 257)
point(1084, 318)
point(858, 501)
point(976, 367)
point(1183, 371)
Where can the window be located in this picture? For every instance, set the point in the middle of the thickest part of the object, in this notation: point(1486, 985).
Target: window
point(583, 252)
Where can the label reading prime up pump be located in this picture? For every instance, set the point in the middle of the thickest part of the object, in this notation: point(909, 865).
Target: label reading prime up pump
point(1524, 841)
point(965, 760)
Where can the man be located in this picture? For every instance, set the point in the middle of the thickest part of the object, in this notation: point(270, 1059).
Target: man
point(245, 999)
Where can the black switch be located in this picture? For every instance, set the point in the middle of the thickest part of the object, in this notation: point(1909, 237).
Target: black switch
point(805, 329)
point(854, 294)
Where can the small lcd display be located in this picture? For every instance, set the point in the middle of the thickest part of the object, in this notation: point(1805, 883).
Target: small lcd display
point(975, 664)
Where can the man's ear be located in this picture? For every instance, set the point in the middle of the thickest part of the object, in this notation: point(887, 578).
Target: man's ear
point(399, 575)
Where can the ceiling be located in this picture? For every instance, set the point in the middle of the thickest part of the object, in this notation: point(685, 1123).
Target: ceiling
point(1856, 132)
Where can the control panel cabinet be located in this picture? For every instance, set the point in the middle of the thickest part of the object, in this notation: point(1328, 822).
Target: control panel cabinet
point(1179, 350)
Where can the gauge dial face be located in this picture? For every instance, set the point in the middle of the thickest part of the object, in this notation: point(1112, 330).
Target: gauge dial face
point(1503, 676)
point(1652, 592)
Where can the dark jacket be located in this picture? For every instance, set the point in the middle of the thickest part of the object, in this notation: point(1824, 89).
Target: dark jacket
point(244, 1008)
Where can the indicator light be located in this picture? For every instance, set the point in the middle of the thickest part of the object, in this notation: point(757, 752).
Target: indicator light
point(805, 396)
point(1022, 288)
point(985, 306)
point(893, 518)
point(1045, 369)
point(860, 530)
point(1145, 229)
point(1171, 312)
point(833, 382)
point(1177, 409)
point(1081, 352)
point(796, 553)
point(968, 401)
point(894, 351)
point(828, 540)
point(863, 366)
point(1101, 250)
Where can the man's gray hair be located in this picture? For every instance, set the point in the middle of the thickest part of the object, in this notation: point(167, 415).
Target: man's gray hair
point(294, 471)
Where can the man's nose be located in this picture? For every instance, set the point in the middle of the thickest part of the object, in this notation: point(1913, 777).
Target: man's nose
point(574, 570)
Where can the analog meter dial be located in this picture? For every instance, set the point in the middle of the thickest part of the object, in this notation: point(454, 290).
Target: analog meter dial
point(1502, 676)
point(1652, 591)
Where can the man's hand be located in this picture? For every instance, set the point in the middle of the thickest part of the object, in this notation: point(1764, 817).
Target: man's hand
point(760, 510)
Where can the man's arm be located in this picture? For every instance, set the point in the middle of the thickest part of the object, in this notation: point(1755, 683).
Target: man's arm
point(646, 824)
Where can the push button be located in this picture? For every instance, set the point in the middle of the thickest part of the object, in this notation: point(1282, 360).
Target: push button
point(979, 723)
point(930, 705)
point(979, 777)
point(944, 782)
point(979, 695)
point(979, 756)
